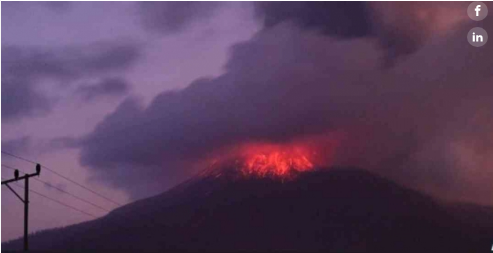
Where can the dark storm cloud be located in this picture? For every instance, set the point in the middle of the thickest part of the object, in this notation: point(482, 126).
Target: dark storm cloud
point(173, 17)
point(24, 67)
point(107, 87)
point(21, 146)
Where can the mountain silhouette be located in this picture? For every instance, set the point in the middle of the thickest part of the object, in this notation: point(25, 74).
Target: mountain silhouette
point(329, 210)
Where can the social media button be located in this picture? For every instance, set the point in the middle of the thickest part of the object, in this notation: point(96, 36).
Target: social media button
point(477, 37)
point(477, 11)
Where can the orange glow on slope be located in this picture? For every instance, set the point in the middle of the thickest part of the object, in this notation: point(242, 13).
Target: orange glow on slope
point(283, 160)
point(276, 160)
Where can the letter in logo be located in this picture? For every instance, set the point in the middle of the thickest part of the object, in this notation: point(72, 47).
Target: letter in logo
point(477, 9)
point(477, 38)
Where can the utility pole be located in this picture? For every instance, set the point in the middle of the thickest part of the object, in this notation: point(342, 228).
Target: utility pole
point(26, 197)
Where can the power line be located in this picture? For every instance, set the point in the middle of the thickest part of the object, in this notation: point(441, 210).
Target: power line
point(24, 200)
point(12, 168)
point(59, 202)
point(63, 204)
point(66, 205)
point(59, 189)
point(18, 157)
point(86, 213)
point(62, 176)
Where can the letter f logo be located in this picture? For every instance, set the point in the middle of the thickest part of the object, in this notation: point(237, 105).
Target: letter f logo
point(478, 9)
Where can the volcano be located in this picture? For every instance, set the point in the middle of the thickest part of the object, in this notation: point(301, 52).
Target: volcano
point(330, 210)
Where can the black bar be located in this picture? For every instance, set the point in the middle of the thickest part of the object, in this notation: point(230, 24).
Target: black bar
point(26, 210)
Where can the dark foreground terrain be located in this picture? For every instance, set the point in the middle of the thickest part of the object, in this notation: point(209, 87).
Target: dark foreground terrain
point(328, 210)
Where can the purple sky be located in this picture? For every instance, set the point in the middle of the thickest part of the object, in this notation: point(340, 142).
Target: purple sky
point(128, 97)
point(166, 60)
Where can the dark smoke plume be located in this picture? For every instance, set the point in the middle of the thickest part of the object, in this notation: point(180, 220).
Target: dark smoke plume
point(424, 122)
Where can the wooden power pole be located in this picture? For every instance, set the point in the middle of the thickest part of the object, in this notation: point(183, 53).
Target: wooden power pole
point(26, 197)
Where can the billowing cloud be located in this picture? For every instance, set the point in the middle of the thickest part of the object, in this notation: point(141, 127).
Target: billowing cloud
point(20, 98)
point(401, 27)
point(287, 82)
point(106, 87)
point(173, 17)
point(23, 68)
point(343, 19)
point(66, 63)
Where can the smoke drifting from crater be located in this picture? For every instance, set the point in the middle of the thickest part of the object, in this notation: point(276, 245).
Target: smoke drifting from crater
point(425, 122)
point(400, 27)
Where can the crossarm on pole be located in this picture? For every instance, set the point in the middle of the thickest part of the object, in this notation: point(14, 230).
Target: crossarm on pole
point(10, 188)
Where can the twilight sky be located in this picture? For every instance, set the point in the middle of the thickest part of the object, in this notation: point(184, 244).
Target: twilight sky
point(65, 66)
point(128, 98)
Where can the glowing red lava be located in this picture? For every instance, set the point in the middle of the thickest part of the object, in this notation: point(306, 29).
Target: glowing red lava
point(275, 160)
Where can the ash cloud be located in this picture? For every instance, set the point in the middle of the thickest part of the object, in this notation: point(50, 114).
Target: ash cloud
point(400, 27)
point(342, 19)
point(403, 27)
point(24, 68)
point(424, 122)
point(108, 87)
point(21, 99)
point(174, 17)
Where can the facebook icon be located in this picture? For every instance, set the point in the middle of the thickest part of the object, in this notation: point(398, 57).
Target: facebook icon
point(477, 11)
